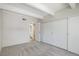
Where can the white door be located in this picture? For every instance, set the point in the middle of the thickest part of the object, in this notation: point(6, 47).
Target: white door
point(73, 41)
point(55, 33)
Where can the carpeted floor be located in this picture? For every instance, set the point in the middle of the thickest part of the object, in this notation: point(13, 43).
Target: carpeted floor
point(35, 49)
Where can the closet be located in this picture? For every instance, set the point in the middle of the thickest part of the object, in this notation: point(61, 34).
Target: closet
point(62, 33)
point(55, 33)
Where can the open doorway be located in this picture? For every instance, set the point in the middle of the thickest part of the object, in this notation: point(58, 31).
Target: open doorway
point(32, 32)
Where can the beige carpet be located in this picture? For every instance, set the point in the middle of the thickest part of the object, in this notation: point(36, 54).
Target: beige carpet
point(35, 49)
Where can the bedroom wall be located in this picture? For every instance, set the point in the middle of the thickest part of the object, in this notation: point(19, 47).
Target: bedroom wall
point(15, 30)
point(38, 31)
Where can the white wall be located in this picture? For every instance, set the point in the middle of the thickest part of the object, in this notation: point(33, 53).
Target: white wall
point(15, 30)
point(0, 29)
point(37, 31)
point(55, 33)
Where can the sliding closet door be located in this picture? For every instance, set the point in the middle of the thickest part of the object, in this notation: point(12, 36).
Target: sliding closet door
point(55, 33)
point(73, 41)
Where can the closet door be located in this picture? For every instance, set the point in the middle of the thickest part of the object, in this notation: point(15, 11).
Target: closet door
point(73, 41)
point(55, 33)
